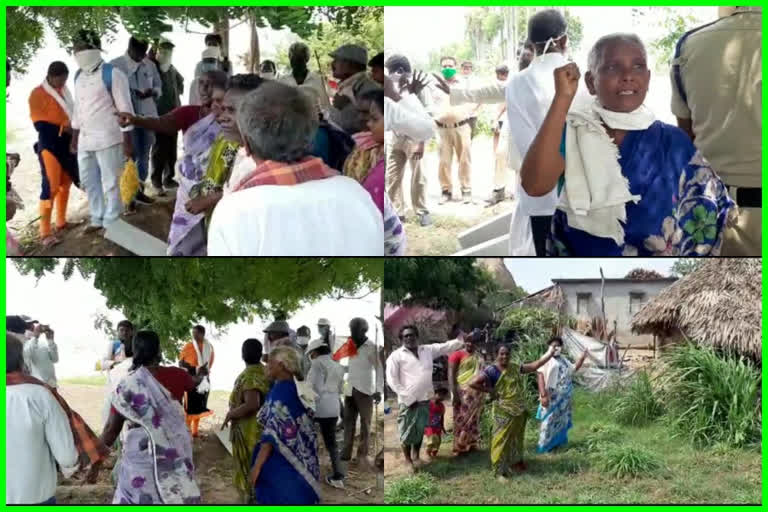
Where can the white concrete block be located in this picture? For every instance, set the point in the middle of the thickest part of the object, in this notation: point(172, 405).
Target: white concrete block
point(498, 246)
point(488, 230)
point(135, 240)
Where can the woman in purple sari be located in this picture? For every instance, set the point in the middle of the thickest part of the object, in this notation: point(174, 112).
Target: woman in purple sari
point(629, 185)
point(156, 465)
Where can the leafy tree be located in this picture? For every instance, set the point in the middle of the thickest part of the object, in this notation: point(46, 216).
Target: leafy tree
point(452, 283)
point(575, 26)
point(171, 295)
point(684, 266)
point(672, 23)
point(24, 36)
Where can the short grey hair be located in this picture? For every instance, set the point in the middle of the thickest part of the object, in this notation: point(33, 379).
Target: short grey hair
point(596, 53)
point(278, 122)
point(288, 357)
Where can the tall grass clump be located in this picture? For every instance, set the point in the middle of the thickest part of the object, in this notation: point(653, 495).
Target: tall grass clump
point(638, 403)
point(600, 435)
point(711, 398)
point(410, 490)
point(627, 460)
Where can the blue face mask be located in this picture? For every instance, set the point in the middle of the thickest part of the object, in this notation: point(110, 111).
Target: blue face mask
point(209, 65)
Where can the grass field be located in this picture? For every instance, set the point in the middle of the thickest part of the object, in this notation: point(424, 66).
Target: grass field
point(577, 474)
point(94, 380)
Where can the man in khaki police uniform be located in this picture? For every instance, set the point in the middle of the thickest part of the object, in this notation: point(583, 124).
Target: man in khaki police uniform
point(716, 96)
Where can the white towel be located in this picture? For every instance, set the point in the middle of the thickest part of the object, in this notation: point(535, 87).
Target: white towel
point(66, 102)
point(596, 191)
point(202, 359)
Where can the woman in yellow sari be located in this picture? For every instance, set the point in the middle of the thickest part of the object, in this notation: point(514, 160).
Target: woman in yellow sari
point(506, 384)
point(463, 366)
point(251, 386)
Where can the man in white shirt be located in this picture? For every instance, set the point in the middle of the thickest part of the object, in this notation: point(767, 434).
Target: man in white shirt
point(298, 55)
point(102, 146)
point(38, 437)
point(146, 86)
point(404, 149)
point(291, 204)
point(409, 375)
point(41, 358)
point(365, 384)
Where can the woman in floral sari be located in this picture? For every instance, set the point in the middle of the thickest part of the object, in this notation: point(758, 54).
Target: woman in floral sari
point(251, 386)
point(156, 465)
point(628, 184)
point(285, 468)
point(506, 383)
point(463, 366)
point(555, 391)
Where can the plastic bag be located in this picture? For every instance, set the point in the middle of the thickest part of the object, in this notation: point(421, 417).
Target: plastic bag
point(129, 182)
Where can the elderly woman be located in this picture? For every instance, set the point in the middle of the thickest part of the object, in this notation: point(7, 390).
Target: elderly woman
point(555, 381)
point(506, 383)
point(200, 128)
point(291, 203)
point(285, 469)
point(148, 404)
point(248, 394)
point(629, 185)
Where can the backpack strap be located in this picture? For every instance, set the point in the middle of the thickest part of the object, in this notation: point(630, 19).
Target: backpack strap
point(676, 65)
point(106, 77)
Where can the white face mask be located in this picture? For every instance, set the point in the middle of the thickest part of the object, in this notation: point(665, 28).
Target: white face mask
point(551, 41)
point(268, 75)
point(87, 60)
point(164, 60)
point(302, 340)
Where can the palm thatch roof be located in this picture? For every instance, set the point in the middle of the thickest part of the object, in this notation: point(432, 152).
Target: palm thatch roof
point(718, 304)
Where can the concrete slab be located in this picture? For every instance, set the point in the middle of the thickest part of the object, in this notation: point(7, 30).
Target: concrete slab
point(135, 240)
point(488, 230)
point(223, 436)
point(498, 246)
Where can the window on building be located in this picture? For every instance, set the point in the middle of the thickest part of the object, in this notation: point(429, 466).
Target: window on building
point(636, 301)
point(582, 303)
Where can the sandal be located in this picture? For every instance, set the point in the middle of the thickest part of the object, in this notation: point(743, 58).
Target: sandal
point(50, 241)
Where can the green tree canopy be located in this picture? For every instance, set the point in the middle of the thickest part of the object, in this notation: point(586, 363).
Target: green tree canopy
point(685, 266)
point(25, 24)
point(452, 283)
point(170, 295)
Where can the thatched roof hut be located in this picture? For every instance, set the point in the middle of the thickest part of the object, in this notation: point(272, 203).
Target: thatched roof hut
point(718, 304)
point(550, 298)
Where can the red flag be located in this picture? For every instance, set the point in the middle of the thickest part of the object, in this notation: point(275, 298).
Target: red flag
point(349, 349)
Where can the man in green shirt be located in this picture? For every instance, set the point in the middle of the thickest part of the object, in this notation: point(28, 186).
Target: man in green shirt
point(164, 149)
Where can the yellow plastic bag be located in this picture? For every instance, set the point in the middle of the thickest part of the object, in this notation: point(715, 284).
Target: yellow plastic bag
point(129, 182)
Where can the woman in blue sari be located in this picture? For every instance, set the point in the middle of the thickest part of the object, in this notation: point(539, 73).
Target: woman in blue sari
point(285, 468)
point(555, 392)
point(629, 185)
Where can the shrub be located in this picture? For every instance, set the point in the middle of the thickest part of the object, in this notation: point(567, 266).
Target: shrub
point(711, 398)
point(410, 490)
point(638, 403)
point(630, 460)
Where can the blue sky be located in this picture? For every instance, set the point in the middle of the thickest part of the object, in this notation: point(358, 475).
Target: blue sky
point(533, 274)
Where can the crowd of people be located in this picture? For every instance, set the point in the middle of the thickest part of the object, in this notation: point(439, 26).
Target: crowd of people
point(596, 173)
point(290, 388)
point(270, 165)
point(471, 386)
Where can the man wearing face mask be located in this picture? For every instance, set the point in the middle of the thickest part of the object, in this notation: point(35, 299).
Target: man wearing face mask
point(303, 335)
point(349, 67)
point(164, 151)
point(145, 84)
point(298, 55)
point(454, 135)
point(403, 149)
point(213, 57)
point(102, 146)
point(268, 70)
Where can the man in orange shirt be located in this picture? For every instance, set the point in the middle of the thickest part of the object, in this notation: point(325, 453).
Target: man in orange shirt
point(51, 107)
point(197, 358)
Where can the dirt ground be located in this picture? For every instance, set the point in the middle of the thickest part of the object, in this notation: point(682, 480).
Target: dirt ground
point(450, 219)
point(154, 219)
point(213, 462)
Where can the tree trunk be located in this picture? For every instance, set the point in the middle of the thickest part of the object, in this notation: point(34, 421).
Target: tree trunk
point(221, 27)
point(255, 52)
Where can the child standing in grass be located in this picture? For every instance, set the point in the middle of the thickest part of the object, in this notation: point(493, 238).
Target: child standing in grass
point(435, 426)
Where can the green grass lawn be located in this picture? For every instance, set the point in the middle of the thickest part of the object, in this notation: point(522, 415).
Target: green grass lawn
point(573, 474)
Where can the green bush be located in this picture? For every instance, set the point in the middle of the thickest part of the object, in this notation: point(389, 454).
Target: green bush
point(627, 460)
point(638, 403)
point(711, 398)
point(600, 435)
point(410, 490)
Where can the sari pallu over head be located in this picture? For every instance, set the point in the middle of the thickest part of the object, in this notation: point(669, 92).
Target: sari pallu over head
point(290, 475)
point(198, 149)
point(157, 464)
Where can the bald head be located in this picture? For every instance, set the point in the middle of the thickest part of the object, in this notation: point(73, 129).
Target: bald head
point(14, 353)
point(358, 328)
